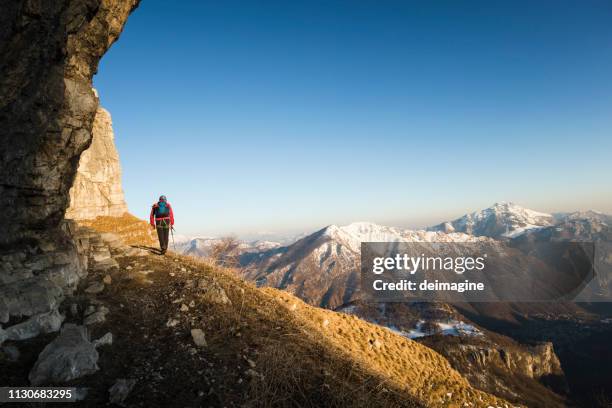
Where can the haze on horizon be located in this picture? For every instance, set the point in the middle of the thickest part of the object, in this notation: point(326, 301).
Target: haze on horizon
point(286, 117)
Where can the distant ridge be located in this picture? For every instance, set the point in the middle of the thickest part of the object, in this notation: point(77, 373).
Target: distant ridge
point(503, 219)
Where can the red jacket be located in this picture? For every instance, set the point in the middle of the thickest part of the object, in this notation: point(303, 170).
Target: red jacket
point(152, 217)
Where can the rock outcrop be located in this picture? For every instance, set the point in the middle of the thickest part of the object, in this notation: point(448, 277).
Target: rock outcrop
point(97, 186)
point(519, 373)
point(49, 52)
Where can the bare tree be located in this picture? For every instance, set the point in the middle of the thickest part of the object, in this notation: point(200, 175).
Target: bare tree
point(226, 252)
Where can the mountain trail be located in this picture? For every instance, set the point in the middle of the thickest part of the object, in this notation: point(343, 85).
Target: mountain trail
point(184, 332)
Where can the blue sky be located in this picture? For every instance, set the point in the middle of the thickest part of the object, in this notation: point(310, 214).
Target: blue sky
point(256, 116)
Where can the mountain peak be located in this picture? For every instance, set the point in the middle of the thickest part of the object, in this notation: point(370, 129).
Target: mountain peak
point(502, 219)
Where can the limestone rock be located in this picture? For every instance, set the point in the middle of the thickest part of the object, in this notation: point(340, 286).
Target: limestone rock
point(95, 287)
point(97, 187)
point(90, 309)
point(71, 355)
point(97, 316)
point(105, 340)
point(198, 337)
point(252, 373)
point(29, 297)
point(213, 292)
point(172, 323)
point(120, 390)
point(42, 323)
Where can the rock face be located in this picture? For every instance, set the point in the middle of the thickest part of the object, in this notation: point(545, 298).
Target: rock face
point(49, 52)
point(97, 186)
point(516, 372)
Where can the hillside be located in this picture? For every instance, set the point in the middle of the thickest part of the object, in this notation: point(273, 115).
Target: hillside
point(264, 347)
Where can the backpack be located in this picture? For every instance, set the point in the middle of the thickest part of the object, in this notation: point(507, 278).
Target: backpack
point(162, 209)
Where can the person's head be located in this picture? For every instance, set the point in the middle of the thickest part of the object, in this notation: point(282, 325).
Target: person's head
point(162, 198)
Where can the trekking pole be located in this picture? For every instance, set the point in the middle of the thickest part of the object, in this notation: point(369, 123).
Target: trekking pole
point(172, 233)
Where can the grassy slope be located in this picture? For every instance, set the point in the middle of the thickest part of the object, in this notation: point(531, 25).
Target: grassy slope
point(132, 230)
point(302, 355)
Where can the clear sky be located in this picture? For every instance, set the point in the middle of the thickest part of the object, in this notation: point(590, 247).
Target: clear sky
point(287, 116)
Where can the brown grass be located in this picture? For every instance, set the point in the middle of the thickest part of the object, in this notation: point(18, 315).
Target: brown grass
point(360, 363)
point(132, 230)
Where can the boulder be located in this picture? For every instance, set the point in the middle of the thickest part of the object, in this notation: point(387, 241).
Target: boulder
point(40, 324)
point(71, 355)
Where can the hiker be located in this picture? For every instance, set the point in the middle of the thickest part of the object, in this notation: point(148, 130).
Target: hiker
point(162, 218)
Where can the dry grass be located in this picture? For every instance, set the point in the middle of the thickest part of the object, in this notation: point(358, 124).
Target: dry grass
point(403, 363)
point(293, 368)
point(132, 230)
point(308, 355)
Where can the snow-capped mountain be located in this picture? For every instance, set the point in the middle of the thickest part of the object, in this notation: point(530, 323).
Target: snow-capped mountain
point(590, 215)
point(204, 247)
point(589, 226)
point(322, 268)
point(498, 221)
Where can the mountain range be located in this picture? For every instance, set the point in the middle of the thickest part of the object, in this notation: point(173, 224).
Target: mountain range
point(322, 269)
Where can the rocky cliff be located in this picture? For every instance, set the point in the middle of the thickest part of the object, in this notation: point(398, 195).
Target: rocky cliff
point(97, 186)
point(517, 372)
point(49, 51)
